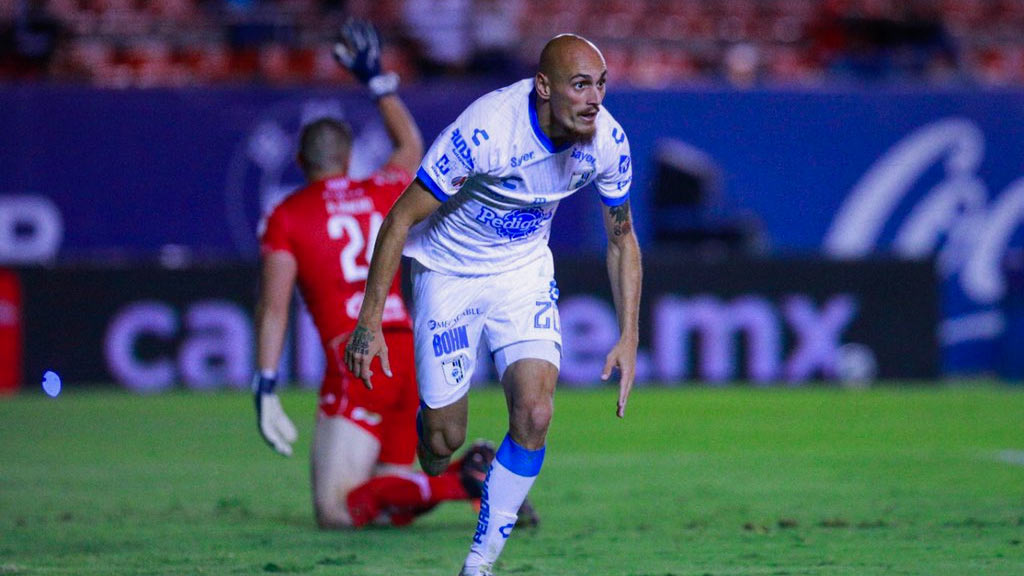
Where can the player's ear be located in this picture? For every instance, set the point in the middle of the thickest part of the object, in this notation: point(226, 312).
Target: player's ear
point(543, 86)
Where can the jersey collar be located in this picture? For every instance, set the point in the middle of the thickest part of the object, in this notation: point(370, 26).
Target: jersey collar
point(541, 136)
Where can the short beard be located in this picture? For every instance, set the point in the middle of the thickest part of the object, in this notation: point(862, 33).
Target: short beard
point(581, 138)
point(577, 137)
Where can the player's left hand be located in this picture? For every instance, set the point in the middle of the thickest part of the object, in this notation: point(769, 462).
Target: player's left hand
point(274, 425)
point(621, 358)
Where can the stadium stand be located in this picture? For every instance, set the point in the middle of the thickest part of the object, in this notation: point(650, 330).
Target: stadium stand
point(648, 43)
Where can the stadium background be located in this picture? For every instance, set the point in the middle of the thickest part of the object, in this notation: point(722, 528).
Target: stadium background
point(830, 201)
point(839, 145)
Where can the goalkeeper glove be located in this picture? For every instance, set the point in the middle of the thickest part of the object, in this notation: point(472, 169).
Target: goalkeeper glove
point(358, 50)
point(274, 425)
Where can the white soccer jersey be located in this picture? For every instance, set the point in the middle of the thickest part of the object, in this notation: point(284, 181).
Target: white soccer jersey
point(500, 179)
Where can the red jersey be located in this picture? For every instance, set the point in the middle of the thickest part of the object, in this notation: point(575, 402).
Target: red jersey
point(330, 227)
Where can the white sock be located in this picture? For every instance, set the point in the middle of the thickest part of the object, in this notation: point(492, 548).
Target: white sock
point(508, 481)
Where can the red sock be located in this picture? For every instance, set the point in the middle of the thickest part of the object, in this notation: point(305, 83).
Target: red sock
point(401, 496)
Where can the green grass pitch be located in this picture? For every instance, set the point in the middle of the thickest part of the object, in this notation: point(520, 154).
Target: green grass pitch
point(695, 481)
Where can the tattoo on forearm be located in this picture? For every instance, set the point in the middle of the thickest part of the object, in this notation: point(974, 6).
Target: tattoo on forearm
point(623, 224)
point(360, 342)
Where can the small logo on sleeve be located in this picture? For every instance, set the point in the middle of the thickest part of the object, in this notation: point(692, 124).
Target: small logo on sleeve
point(461, 148)
point(443, 165)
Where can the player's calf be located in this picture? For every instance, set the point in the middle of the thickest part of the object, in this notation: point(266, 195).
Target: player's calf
point(441, 432)
point(432, 463)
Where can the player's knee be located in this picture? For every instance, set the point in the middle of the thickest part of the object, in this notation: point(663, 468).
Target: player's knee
point(531, 422)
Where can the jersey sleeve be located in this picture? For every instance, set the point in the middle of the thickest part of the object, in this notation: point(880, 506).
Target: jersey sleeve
point(461, 151)
point(616, 173)
point(273, 231)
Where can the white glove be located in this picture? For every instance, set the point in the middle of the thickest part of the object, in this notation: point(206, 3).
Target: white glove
point(275, 426)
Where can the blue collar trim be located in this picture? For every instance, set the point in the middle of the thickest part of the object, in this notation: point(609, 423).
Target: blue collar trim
point(541, 136)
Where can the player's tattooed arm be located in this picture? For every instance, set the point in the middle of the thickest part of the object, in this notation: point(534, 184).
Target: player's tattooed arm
point(623, 222)
point(360, 342)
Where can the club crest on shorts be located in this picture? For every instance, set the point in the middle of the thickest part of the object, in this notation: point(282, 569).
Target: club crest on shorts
point(455, 369)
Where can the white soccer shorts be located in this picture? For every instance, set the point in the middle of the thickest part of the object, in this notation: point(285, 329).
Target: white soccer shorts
point(452, 313)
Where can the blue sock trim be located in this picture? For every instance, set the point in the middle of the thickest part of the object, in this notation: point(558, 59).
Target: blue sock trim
point(519, 460)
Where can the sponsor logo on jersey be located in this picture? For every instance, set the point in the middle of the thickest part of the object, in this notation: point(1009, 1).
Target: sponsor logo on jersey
point(390, 177)
point(455, 369)
point(450, 340)
point(336, 185)
point(516, 224)
point(618, 135)
point(355, 206)
point(520, 160)
point(580, 179)
point(553, 291)
point(435, 324)
point(582, 156)
point(510, 182)
point(394, 307)
point(477, 133)
point(623, 183)
point(461, 149)
point(624, 162)
point(458, 181)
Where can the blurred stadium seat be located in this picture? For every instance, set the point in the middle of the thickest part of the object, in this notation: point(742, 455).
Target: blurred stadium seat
point(651, 43)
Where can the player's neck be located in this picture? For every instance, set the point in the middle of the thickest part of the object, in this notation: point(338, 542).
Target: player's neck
point(321, 175)
point(558, 135)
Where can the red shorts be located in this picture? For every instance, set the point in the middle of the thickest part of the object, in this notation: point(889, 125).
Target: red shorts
point(389, 410)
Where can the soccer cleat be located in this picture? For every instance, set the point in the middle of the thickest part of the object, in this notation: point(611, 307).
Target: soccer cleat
point(474, 466)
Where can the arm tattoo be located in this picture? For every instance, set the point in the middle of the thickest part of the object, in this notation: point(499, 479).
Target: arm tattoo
point(360, 343)
point(622, 220)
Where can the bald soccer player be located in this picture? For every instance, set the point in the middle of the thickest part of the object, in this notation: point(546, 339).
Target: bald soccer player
point(476, 222)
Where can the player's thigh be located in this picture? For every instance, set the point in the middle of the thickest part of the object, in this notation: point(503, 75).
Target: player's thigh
point(525, 322)
point(344, 456)
point(448, 322)
point(531, 377)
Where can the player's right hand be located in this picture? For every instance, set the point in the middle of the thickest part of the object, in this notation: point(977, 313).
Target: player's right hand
point(274, 425)
point(363, 345)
